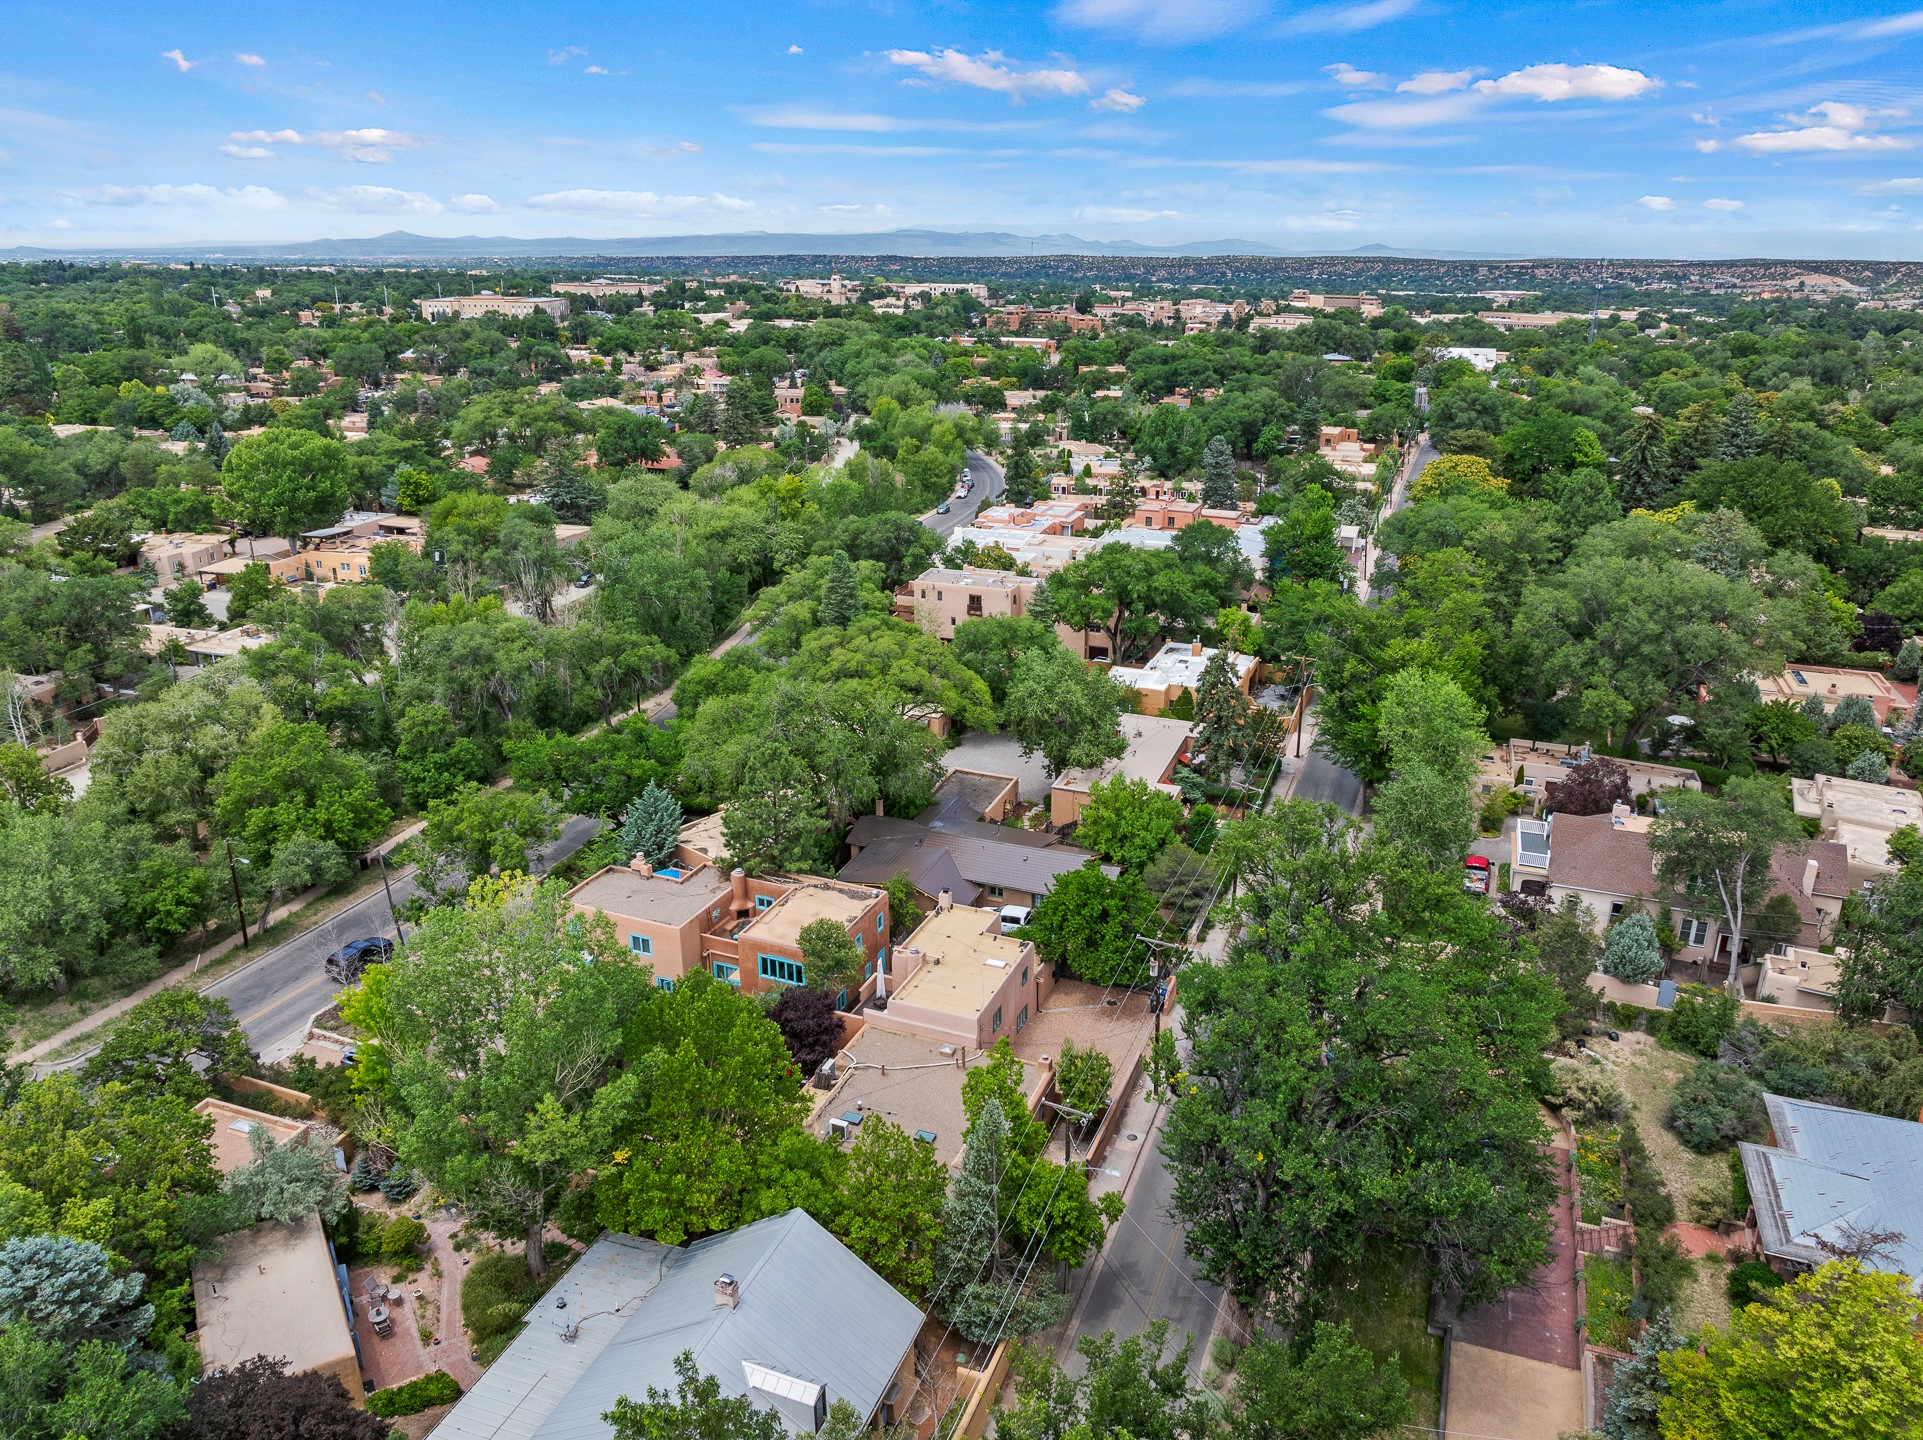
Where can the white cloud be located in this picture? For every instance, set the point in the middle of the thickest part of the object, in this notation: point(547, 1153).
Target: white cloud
point(377, 97)
point(474, 204)
point(1123, 215)
point(1830, 127)
point(1894, 25)
point(801, 117)
point(567, 53)
point(371, 145)
point(181, 62)
point(633, 202)
point(376, 200)
point(1657, 202)
point(1170, 20)
point(247, 152)
point(1709, 147)
point(1408, 114)
point(1571, 82)
point(794, 50)
point(244, 197)
point(1435, 82)
point(679, 147)
point(1343, 73)
point(1117, 99)
point(1338, 18)
point(783, 147)
point(1907, 185)
point(1718, 203)
point(596, 70)
point(991, 70)
point(246, 57)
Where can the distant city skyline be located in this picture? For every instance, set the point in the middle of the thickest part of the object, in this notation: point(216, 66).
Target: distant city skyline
point(1691, 130)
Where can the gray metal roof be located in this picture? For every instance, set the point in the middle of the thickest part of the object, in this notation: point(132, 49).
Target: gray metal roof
point(929, 868)
point(1834, 1171)
point(808, 1309)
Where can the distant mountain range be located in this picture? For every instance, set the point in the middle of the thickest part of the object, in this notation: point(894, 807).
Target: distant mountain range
point(402, 245)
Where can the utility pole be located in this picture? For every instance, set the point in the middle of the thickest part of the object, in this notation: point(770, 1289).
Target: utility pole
point(1068, 1131)
point(400, 937)
point(239, 909)
point(1159, 994)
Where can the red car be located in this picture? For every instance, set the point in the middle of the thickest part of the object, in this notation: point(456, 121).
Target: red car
point(1475, 875)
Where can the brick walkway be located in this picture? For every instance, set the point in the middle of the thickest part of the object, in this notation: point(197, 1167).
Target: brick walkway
point(1537, 1321)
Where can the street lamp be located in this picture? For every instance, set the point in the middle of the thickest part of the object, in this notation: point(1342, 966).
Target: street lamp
point(239, 908)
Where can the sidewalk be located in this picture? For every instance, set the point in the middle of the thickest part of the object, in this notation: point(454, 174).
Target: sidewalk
point(182, 975)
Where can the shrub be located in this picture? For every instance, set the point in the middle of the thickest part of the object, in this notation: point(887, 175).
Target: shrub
point(1643, 1189)
point(402, 1238)
point(1662, 1270)
point(1699, 1020)
point(1750, 1281)
point(1631, 951)
point(397, 1184)
point(1738, 1184)
point(1709, 1202)
point(494, 1294)
point(1713, 1107)
point(437, 1387)
point(1586, 1094)
point(365, 1175)
point(1224, 1352)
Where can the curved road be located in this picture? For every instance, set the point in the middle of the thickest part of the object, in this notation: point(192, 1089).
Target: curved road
point(988, 488)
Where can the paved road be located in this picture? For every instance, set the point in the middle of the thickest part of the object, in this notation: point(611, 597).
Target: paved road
point(1326, 781)
point(1144, 1273)
point(276, 995)
point(988, 485)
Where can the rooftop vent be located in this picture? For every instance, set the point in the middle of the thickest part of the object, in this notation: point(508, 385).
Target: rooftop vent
point(727, 1291)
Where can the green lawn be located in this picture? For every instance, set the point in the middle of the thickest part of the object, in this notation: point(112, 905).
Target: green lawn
point(1387, 1307)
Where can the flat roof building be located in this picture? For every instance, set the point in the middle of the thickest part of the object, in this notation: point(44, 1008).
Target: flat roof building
point(1176, 667)
point(273, 1291)
point(1156, 744)
point(961, 980)
point(1860, 816)
point(234, 1125)
point(470, 307)
point(1833, 684)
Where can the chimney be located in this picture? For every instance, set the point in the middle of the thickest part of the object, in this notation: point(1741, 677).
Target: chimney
point(1195, 647)
point(739, 882)
point(640, 866)
point(1809, 876)
point(727, 1291)
point(946, 900)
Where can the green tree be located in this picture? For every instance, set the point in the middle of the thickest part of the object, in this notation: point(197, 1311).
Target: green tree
point(433, 759)
point(777, 821)
point(1636, 1393)
point(1218, 475)
point(287, 1183)
point(178, 1042)
point(50, 1391)
point(1321, 1386)
point(1882, 959)
point(1630, 952)
point(187, 606)
point(1135, 598)
point(250, 590)
point(831, 960)
point(1137, 1387)
point(1832, 1354)
point(707, 1134)
point(1090, 923)
point(291, 781)
point(24, 781)
point(285, 481)
point(992, 645)
point(650, 826)
point(840, 594)
point(1128, 821)
point(1645, 475)
point(1567, 952)
point(1056, 704)
point(1433, 734)
point(67, 1288)
point(1718, 848)
point(1224, 714)
point(889, 1214)
point(494, 1040)
point(697, 1410)
point(1363, 1068)
point(1778, 727)
point(1302, 547)
point(480, 830)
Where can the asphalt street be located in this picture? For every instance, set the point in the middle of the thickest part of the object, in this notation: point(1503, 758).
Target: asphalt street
point(280, 991)
point(1143, 1273)
point(988, 486)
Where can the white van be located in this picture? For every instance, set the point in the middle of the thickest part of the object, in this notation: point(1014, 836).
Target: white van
point(1013, 916)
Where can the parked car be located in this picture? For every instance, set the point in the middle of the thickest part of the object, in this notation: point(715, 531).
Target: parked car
point(347, 963)
point(1475, 875)
point(943, 508)
point(1014, 915)
point(581, 582)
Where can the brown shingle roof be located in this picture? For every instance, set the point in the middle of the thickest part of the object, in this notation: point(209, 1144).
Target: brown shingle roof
point(1588, 852)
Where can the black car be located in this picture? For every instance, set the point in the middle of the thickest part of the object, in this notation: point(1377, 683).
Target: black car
point(351, 959)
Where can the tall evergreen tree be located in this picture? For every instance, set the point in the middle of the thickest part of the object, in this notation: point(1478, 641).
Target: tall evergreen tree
point(650, 826)
point(1218, 475)
point(1742, 435)
point(1019, 470)
point(840, 593)
point(1645, 479)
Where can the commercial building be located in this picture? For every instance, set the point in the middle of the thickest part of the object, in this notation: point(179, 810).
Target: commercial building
point(596, 288)
point(779, 1313)
point(472, 307)
point(1832, 1177)
point(1175, 668)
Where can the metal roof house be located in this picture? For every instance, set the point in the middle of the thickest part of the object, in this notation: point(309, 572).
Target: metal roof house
point(1836, 1175)
point(778, 1311)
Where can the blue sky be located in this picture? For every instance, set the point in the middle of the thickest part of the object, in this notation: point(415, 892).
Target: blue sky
point(1583, 127)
